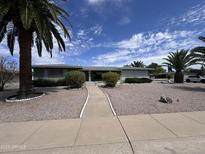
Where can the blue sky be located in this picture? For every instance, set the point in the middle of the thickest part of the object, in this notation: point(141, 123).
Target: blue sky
point(117, 32)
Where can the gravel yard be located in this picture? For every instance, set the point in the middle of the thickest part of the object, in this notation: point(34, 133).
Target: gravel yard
point(58, 103)
point(144, 98)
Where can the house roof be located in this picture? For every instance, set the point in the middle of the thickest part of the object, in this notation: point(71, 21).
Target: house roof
point(100, 68)
point(56, 66)
point(137, 68)
point(91, 68)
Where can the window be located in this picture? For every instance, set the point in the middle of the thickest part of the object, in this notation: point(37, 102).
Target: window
point(55, 73)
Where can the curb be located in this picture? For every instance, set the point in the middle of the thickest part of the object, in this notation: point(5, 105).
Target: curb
point(110, 103)
point(24, 100)
point(86, 102)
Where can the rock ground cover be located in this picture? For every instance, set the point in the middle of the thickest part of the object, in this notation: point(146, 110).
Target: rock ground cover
point(58, 103)
point(144, 98)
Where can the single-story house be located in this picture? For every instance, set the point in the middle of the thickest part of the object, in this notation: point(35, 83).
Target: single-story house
point(93, 73)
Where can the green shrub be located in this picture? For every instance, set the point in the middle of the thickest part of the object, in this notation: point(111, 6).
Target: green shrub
point(170, 76)
point(75, 79)
point(44, 83)
point(48, 83)
point(137, 80)
point(61, 82)
point(110, 79)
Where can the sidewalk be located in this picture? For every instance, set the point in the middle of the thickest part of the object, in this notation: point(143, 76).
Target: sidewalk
point(99, 132)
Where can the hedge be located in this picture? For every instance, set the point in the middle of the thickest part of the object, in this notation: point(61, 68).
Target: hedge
point(48, 83)
point(110, 79)
point(75, 79)
point(138, 80)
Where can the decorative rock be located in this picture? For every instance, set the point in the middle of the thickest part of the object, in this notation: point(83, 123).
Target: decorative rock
point(162, 99)
point(167, 100)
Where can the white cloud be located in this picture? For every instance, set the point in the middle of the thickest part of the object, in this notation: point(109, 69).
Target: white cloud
point(149, 47)
point(97, 30)
point(97, 2)
point(83, 40)
point(153, 39)
point(84, 12)
point(45, 59)
point(154, 59)
point(196, 15)
point(57, 57)
point(81, 33)
point(124, 21)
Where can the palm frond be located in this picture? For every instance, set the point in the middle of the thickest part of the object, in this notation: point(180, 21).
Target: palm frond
point(40, 17)
point(59, 39)
point(65, 31)
point(2, 32)
point(202, 38)
point(39, 46)
point(137, 64)
point(199, 55)
point(4, 9)
point(25, 13)
point(180, 60)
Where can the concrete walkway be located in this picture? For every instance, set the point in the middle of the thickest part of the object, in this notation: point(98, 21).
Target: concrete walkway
point(102, 133)
point(97, 105)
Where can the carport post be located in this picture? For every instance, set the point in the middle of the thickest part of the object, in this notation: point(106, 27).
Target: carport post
point(89, 75)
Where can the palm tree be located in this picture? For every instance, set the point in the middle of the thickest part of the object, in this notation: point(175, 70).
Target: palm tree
point(31, 22)
point(179, 61)
point(199, 54)
point(137, 64)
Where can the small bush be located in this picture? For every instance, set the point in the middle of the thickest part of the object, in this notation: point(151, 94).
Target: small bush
point(110, 79)
point(49, 83)
point(44, 83)
point(137, 80)
point(170, 76)
point(61, 82)
point(75, 79)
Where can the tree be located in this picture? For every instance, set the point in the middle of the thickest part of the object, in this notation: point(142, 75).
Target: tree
point(7, 71)
point(157, 68)
point(32, 22)
point(138, 64)
point(153, 65)
point(179, 61)
point(199, 54)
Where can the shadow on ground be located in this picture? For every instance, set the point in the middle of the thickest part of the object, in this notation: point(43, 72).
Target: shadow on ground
point(193, 89)
point(9, 92)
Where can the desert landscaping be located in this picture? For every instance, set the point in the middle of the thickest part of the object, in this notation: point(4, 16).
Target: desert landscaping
point(58, 103)
point(144, 98)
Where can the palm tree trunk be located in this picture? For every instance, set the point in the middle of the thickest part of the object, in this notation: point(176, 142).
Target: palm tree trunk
point(2, 87)
point(25, 42)
point(179, 77)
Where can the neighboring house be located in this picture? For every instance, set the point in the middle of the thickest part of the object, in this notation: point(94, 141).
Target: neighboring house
point(93, 73)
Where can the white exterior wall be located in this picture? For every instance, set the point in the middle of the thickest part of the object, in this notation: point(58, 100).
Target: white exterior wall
point(134, 74)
